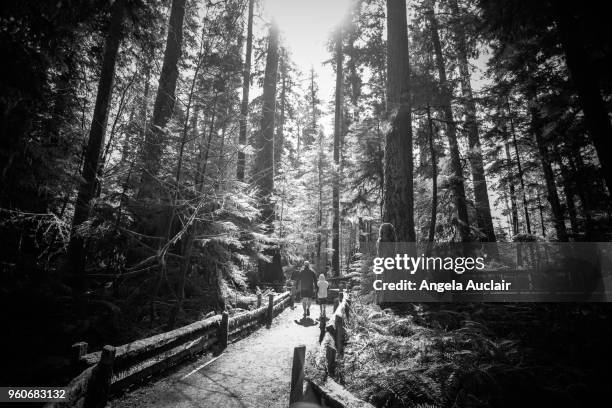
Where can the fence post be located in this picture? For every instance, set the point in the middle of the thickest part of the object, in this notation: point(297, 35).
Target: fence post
point(270, 308)
point(339, 325)
point(322, 322)
point(336, 304)
point(99, 390)
point(330, 356)
point(224, 330)
point(78, 350)
point(297, 374)
point(292, 297)
point(259, 300)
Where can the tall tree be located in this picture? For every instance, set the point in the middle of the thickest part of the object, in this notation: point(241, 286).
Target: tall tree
point(451, 128)
point(546, 33)
point(87, 189)
point(553, 195)
point(519, 168)
point(279, 139)
point(320, 184)
point(338, 127)
point(398, 195)
point(568, 191)
point(510, 178)
point(353, 53)
point(164, 103)
point(311, 129)
point(263, 172)
point(481, 196)
point(434, 176)
point(572, 26)
point(244, 106)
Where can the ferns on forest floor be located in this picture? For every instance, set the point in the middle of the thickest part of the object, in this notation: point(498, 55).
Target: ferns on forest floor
point(455, 356)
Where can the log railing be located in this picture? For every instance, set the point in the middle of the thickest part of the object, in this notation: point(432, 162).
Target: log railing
point(115, 368)
point(328, 392)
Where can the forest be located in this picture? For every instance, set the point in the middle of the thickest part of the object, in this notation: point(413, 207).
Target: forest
point(164, 159)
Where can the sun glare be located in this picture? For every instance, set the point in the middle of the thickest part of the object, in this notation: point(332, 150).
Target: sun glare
point(305, 27)
point(306, 24)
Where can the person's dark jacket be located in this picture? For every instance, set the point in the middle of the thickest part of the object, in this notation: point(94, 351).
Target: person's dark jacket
point(307, 281)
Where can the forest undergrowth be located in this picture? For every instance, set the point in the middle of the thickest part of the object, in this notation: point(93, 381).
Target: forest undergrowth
point(478, 354)
point(47, 318)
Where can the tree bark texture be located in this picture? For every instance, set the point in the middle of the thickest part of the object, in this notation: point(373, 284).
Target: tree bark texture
point(481, 196)
point(553, 195)
point(451, 132)
point(263, 175)
point(87, 189)
point(521, 175)
point(244, 106)
point(164, 104)
point(398, 192)
point(339, 106)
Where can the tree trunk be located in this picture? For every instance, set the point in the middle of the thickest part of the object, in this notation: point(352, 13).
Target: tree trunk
point(76, 255)
point(185, 135)
point(313, 101)
point(263, 176)
point(451, 131)
point(596, 115)
point(264, 163)
point(164, 104)
point(337, 145)
point(195, 131)
point(125, 146)
point(320, 203)
point(221, 156)
point(144, 104)
point(320, 135)
point(380, 166)
point(244, 106)
point(568, 191)
point(514, 210)
point(520, 170)
point(434, 178)
point(189, 236)
point(481, 196)
point(354, 79)
point(280, 135)
point(185, 265)
point(576, 160)
point(205, 147)
point(398, 192)
point(509, 220)
point(113, 132)
point(541, 210)
point(553, 196)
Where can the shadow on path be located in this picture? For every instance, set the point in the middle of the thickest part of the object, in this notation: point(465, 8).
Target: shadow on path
point(306, 322)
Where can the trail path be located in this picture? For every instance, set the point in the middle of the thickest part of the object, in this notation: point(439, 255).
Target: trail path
point(253, 372)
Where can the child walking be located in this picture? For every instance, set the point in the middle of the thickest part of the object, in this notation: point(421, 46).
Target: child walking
point(322, 284)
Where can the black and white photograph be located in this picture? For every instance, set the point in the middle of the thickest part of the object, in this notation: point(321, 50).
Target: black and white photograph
point(305, 203)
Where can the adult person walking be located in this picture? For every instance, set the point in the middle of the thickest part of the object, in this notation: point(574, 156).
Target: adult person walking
point(307, 281)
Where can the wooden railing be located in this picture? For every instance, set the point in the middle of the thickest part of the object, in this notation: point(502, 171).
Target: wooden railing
point(115, 368)
point(332, 338)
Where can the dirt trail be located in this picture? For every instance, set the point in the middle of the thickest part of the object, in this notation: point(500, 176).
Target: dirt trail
point(253, 372)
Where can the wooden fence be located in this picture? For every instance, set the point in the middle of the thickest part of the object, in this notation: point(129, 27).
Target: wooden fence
point(327, 393)
point(115, 368)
